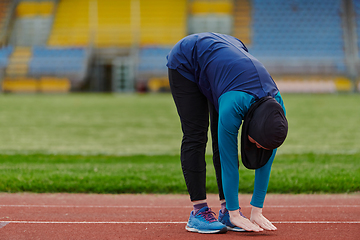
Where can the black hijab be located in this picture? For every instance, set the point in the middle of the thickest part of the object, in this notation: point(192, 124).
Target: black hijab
point(266, 123)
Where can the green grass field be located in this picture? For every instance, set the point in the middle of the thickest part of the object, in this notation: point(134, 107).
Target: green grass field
point(102, 143)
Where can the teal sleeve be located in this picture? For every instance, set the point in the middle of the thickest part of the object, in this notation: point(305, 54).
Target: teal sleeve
point(262, 175)
point(232, 108)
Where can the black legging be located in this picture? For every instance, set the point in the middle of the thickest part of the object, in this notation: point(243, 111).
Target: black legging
point(193, 109)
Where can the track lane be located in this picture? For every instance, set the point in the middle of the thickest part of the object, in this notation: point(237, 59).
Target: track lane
point(62, 216)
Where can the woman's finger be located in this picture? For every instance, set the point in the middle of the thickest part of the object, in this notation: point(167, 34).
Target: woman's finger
point(252, 227)
point(272, 226)
point(264, 223)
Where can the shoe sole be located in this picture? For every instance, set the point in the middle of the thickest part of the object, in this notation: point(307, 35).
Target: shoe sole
point(223, 230)
point(236, 229)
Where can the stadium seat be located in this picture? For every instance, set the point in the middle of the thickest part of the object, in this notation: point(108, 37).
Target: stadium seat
point(54, 85)
point(306, 30)
point(113, 23)
point(71, 24)
point(32, 23)
point(242, 21)
point(343, 84)
point(152, 61)
point(18, 62)
point(20, 85)
point(5, 52)
point(159, 84)
point(70, 63)
point(356, 5)
point(34, 85)
point(211, 16)
point(34, 8)
point(211, 23)
point(206, 7)
point(162, 22)
point(30, 31)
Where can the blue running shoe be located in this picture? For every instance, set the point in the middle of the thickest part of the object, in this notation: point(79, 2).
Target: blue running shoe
point(204, 222)
point(224, 218)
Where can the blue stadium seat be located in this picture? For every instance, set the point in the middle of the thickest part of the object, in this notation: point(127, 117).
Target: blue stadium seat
point(152, 60)
point(4, 55)
point(57, 61)
point(304, 29)
point(356, 4)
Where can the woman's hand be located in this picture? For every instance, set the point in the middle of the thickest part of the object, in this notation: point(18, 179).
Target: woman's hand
point(258, 219)
point(243, 222)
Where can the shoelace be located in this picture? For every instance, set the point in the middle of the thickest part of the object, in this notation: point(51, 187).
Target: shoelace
point(208, 215)
point(241, 213)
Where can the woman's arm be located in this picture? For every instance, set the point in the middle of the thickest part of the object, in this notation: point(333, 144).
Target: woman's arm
point(262, 176)
point(232, 106)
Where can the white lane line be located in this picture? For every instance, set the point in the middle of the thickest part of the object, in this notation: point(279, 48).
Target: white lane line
point(93, 206)
point(317, 222)
point(3, 224)
point(308, 206)
point(85, 222)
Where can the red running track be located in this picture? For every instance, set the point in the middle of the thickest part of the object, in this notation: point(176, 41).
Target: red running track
point(92, 216)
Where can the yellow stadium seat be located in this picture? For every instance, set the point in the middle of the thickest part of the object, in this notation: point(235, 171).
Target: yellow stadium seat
point(115, 23)
point(54, 85)
point(71, 24)
point(18, 62)
point(343, 84)
point(26, 9)
point(45, 8)
point(242, 20)
point(29, 8)
point(20, 85)
point(165, 27)
point(201, 6)
point(158, 84)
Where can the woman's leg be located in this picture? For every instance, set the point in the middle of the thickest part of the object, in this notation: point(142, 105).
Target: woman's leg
point(192, 107)
point(214, 117)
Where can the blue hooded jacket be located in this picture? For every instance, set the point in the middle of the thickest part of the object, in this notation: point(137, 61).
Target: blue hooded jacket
point(219, 63)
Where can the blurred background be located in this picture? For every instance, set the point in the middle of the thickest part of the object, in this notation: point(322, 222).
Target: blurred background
point(50, 46)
